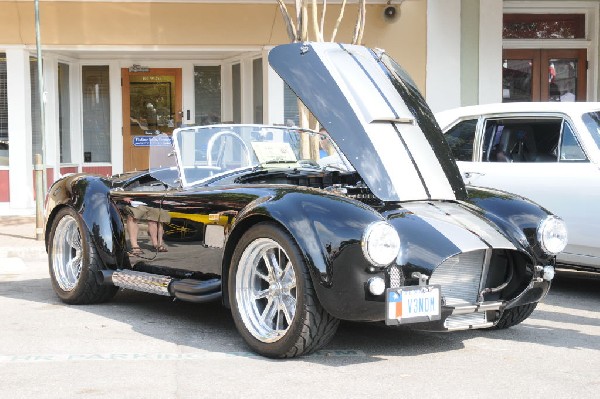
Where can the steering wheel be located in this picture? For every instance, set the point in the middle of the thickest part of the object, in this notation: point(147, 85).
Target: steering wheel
point(216, 136)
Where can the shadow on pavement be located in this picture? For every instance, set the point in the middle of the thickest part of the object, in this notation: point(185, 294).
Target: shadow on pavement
point(210, 326)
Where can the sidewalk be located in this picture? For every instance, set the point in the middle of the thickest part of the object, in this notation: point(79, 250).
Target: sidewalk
point(17, 238)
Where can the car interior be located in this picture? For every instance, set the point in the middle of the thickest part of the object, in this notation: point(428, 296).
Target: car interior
point(530, 140)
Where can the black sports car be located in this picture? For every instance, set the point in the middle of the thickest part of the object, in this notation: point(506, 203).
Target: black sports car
point(294, 229)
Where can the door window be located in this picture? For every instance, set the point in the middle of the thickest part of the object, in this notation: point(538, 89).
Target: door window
point(570, 150)
point(460, 138)
point(522, 140)
point(518, 80)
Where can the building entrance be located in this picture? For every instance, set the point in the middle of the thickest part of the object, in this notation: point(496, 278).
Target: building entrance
point(544, 75)
point(151, 106)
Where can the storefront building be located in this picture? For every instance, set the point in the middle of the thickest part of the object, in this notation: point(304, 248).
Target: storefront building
point(486, 51)
point(116, 72)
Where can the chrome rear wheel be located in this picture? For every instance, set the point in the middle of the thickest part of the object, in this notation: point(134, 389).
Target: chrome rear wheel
point(74, 264)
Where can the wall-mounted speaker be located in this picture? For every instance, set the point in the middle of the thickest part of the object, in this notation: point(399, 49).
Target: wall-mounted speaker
point(390, 13)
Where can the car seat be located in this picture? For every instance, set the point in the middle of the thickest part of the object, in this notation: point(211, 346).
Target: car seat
point(517, 144)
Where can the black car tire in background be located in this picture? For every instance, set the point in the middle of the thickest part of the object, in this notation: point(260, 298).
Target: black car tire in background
point(512, 317)
point(74, 263)
point(264, 296)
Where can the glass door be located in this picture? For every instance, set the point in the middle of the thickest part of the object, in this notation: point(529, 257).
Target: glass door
point(151, 106)
point(544, 75)
point(566, 75)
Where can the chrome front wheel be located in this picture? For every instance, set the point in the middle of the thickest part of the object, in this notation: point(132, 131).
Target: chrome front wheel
point(266, 290)
point(274, 305)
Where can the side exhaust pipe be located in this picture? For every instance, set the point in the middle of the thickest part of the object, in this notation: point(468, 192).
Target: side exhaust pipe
point(138, 281)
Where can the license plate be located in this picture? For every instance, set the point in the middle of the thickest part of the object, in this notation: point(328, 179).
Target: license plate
point(413, 304)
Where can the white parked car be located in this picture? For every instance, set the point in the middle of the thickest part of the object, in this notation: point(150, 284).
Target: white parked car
point(547, 152)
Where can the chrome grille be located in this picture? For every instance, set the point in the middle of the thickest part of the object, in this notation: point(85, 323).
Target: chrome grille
point(460, 277)
point(395, 279)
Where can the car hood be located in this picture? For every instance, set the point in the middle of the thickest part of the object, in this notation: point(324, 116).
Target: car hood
point(376, 116)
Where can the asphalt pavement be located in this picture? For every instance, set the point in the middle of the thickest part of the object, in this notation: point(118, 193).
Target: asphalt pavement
point(146, 346)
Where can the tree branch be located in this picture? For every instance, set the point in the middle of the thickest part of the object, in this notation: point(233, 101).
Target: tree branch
point(289, 23)
point(339, 20)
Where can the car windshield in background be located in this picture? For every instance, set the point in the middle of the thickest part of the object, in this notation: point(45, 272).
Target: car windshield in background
point(592, 122)
point(210, 151)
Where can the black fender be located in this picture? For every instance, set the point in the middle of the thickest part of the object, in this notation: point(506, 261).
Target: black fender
point(88, 195)
point(516, 216)
point(328, 230)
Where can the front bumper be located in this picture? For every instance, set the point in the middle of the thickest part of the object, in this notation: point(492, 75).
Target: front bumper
point(483, 314)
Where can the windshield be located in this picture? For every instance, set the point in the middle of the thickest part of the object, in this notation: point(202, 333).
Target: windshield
point(592, 122)
point(207, 152)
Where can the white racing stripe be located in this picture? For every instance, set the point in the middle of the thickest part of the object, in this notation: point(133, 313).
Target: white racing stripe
point(420, 149)
point(464, 230)
point(429, 166)
point(477, 225)
point(414, 170)
point(367, 102)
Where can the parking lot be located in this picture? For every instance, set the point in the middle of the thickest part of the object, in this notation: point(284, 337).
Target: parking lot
point(139, 345)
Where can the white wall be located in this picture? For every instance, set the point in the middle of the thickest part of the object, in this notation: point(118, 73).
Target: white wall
point(443, 54)
point(490, 51)
point(19, 129)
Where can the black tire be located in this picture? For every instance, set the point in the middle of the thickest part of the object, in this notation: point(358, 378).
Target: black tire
point(512, 317)
point(85, 285)
point(311, 327)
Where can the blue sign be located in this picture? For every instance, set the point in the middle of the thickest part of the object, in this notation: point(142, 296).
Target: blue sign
point(154, 141)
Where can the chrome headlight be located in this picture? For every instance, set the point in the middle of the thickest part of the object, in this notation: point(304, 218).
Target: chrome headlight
point(380, 243)
point(552, 235)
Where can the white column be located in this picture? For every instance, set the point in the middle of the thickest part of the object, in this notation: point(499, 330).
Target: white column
point(116, 117)
point(247, 100)
point(274, 101)
point(51, 123)
point(443, 54)
point(188, 95)
point(490, 51)
point(75, 96)
point(226, 93)
point(19, 129)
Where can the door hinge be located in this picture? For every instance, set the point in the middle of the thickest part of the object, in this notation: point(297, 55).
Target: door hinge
point(587, 65)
